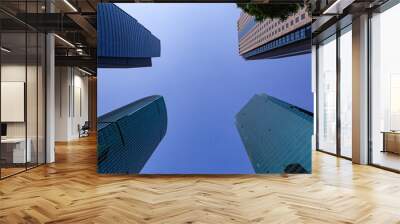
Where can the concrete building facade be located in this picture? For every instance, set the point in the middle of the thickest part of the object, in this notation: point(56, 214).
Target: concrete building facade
point(272, 38)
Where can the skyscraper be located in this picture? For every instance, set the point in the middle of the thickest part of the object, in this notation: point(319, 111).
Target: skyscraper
point(273, 38)
point(276, 135)
point(128, 136)
point(122, 41)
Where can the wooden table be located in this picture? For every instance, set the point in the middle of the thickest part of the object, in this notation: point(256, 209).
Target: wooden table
point(14, 150)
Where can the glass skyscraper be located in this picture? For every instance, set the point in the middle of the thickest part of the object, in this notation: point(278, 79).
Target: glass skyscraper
point(276, 135)
point(122, 41)
point(128, 136)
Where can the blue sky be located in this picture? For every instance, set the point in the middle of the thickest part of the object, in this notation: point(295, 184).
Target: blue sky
point(204, 82)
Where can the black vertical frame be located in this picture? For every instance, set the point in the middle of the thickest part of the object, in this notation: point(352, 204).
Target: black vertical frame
point(73, 91)
point(26, 86)
point(317, 96)
point(44, 72)
point(369, 100)
point(338, 76)
point(37, 90)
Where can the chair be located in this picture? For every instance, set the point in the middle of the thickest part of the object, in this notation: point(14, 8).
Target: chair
point(84, 130)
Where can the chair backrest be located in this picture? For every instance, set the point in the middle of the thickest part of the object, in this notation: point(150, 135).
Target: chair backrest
point(86, 125)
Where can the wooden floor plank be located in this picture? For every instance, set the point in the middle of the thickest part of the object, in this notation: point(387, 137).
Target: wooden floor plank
point(70, 191)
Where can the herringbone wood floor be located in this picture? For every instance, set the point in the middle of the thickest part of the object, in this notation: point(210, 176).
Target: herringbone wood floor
point(70, 191)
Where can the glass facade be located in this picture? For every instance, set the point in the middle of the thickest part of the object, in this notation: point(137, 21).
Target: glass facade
point(22, 87)
point(385, 89)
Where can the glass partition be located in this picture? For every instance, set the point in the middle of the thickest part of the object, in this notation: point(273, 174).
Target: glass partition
point(346, 92)
point(13, 114)
point(22, 77)
point(31, 99)
point(327, 95)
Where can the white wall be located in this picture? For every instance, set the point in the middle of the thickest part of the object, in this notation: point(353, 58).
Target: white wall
point(17, 72)
point(62, 82)
point(14, 72)
point(71, 93)
point(80, 110)
point(33, 126)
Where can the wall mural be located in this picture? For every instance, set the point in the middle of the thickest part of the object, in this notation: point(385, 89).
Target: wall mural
point(203, 89)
